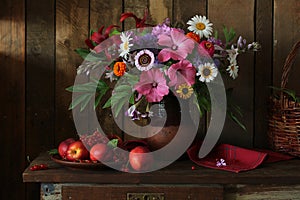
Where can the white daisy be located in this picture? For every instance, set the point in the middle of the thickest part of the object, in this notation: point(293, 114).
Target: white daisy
point(125, 45)
point(232, 54)
point(233, 70)
point(201, 26)
point(144, 60)
point(207, 72)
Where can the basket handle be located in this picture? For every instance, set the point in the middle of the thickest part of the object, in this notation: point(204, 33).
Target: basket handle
point(288, 64)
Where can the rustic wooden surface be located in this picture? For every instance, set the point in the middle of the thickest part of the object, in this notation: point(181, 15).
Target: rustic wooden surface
point(275, 181)
point(72, 20)
point(99, 18)
point(262, 71)
point(40, 81)
point(180, 172)
point(111, 192)
point(243, 93)
point(261, 192)
point(284, 41)
point(12, 101)
point(38, 62)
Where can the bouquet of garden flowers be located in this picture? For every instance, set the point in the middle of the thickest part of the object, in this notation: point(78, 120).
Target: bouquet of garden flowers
point(153, 61)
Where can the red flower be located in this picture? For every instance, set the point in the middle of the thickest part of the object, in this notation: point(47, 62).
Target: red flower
point(98, 37)
point(139, 23)
point(208, 46)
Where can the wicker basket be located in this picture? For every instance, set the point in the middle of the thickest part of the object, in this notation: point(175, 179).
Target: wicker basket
point(284, 119)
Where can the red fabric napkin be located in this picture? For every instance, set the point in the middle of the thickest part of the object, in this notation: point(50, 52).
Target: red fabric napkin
point(234, 159)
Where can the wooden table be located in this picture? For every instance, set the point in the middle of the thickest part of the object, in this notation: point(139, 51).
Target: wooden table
point(280, 181)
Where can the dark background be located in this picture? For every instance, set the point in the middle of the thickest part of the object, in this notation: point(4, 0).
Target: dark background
point(37, 63)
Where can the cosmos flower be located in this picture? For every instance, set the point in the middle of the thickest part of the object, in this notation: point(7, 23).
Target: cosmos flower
point(180, 73)
point(153, 85)
point(178, 46)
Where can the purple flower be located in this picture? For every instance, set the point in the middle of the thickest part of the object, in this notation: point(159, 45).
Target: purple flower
point(180, 73)
point(153, 85)
point(145, 41)
point(221, 163)
point(179, 46)
point(161, 29)
point(215, 41)
point(133, 113)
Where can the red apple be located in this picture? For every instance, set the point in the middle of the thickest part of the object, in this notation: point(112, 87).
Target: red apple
point(63, 146)
point(77, 151)
point(140, 159)
point(100, 152)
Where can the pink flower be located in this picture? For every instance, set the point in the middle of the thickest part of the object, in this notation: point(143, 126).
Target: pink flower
point(181, 72)
point(208, 46)
point(179, 46)
point(153, 85)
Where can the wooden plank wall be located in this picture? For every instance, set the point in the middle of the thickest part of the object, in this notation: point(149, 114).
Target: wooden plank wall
point(38, 62)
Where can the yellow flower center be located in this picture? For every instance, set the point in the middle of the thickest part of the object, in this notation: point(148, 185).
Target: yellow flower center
point(126, 45)
point(206, 72)
point(200, 26)
point(184, 91)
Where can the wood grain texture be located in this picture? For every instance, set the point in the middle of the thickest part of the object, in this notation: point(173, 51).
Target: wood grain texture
point(12, 112)
point(179, 172)
point(184, 11)
point(137, 7)
point(71, 31)
point(40, 77)
point(286, 34)
point(174, 192)
point(270, 192)
point(263, 71)
point(240, 16)
point(105, 14)
point(40, 82)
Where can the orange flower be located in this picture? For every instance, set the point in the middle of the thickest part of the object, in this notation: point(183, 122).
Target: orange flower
point(194, 36)
point(119, 68)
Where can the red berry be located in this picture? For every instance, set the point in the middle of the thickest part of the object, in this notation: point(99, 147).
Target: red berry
point(38, 167)
point(43, 166)
point(35, 167)
point(193, 167)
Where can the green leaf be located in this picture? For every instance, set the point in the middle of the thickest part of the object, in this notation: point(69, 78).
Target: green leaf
point(101, 85)
point(78, 100)
point(107, 104)
point(53, 152)
point(289, 92)
point(131, 100)
point(82, 52)
point(216, 35)
point(85, 87)
point(118, 100)
point(236, 120)
point(113, 143)
point(229, 34)
point(114, 32)
point(85, 102)
point(97, 101)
